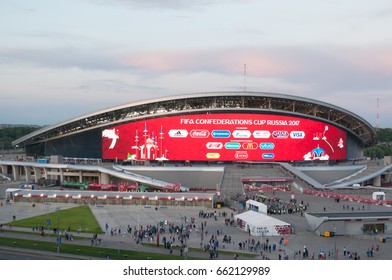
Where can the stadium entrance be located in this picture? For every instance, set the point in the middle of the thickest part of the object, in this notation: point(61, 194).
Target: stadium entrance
point(267, 184)
point(373, 228)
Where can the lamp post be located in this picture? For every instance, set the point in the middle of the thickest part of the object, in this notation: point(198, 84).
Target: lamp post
point(58, 239)
point(47, 214)
point(334, 250)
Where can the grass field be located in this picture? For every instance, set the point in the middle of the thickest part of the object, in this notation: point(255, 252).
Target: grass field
point(79, 218)
point(89, 251)
point(74, 219)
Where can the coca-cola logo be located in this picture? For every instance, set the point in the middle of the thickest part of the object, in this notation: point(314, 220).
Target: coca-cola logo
point(200, 133)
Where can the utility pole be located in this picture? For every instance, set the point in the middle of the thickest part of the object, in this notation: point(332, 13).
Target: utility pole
point(244, 80)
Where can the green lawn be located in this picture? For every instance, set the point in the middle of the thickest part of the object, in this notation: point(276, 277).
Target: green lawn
point(90, 251)
point(73, 219)
point(77, 218)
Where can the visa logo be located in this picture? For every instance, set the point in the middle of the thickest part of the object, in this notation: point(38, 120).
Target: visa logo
point(297, 134)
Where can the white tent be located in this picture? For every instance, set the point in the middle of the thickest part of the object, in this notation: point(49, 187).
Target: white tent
point(258, 224)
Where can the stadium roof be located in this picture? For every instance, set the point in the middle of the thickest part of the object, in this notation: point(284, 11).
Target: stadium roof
point(209, 102)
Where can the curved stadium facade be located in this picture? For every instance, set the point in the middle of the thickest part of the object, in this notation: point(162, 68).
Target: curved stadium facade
point(211, 126)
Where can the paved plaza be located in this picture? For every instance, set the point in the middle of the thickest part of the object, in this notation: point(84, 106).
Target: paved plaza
point(120, 217)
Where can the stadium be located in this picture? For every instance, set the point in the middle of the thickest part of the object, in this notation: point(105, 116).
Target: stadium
point(204, 150)
point(208, 117)
point(205, 135)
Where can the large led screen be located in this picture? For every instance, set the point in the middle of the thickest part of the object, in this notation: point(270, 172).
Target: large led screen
point(225, 137)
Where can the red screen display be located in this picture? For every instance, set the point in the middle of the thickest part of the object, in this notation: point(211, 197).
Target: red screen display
point(225, 137)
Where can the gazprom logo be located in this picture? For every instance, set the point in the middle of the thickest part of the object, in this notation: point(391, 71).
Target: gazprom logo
point(241, 134)
point(220, 133)
point(268, 155)
point(297, 134)
point(267, 146)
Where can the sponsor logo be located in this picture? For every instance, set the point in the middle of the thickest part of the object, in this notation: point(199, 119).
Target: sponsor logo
point(220, 134)
point(213, 155)
point(178, 133)
point(214, 145)
point(268, 155)
point(297, 134)
point(261, 134)
point(249, 146)
point(241, 134)
point(232, 145)
point(199, 133)
point(267, 146)
point(241, 155)
point(280, 134)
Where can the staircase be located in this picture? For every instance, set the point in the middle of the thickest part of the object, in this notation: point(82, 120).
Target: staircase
point(369, 171)
point(231, 181)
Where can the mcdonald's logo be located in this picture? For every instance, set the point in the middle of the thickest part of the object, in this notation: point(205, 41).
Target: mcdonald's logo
point(249, 146)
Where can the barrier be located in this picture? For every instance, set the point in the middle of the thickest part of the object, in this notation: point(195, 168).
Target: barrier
point(353, 198)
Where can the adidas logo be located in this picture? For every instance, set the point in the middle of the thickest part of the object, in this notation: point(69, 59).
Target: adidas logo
point(178, 133)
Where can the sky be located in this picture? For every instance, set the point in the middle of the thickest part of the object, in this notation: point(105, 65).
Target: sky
point(61, 59)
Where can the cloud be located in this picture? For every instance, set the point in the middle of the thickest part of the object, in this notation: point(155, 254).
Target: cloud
point(326, 69)
point(166, 5)
point(58, 58)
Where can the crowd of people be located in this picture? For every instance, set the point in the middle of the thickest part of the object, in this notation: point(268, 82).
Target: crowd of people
point(211, 227)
